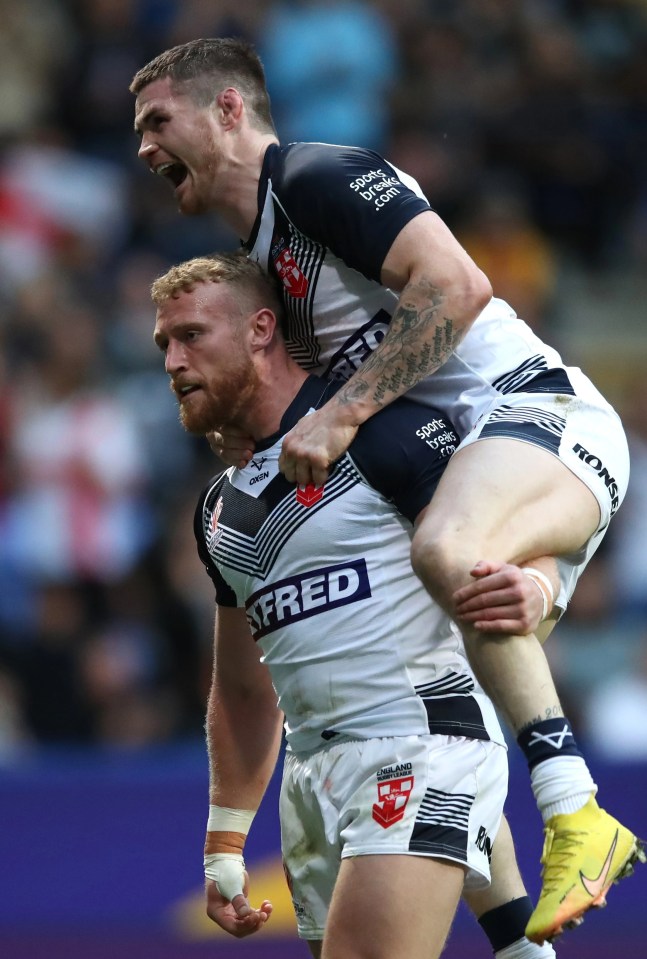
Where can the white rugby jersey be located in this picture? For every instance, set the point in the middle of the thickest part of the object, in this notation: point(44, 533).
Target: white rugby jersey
point(354, 644)
point(327, 217)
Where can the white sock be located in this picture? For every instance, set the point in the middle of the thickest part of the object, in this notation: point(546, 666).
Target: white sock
point(525, 949)
point(562, 784)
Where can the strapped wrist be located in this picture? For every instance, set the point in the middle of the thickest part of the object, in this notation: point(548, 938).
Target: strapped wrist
point(545, 588)
point(227, 830)
point(226, 819)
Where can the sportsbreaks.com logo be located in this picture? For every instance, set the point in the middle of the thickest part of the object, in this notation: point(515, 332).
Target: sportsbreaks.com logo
point(299, 597)
point(377, 187)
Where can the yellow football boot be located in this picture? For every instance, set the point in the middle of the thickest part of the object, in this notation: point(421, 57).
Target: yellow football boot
point(585, 852)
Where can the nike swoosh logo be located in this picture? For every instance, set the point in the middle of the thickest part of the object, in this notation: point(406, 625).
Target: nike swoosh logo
point(595, 886)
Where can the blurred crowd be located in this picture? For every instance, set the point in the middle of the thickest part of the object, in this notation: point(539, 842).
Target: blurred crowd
point(525, 121)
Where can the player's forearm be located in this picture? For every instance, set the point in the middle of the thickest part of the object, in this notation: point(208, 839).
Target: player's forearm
point(427, 326)
point(243, 738)
point(243, 741)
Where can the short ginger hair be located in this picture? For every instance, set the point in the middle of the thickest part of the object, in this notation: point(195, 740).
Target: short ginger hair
point(251, 285)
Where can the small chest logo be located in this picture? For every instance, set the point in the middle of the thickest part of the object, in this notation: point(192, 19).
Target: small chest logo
point(290, 275)
point(310, 494)
point(393, 796)
point(216, 515)
point(213, 533)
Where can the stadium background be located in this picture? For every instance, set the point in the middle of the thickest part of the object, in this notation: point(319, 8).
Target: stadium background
point(526, 123)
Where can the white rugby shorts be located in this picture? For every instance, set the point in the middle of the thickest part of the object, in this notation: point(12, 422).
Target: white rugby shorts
point(430, 795)
point(585, 433)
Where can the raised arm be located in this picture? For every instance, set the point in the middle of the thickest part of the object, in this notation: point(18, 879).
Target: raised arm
point(442, 291)
point(243, 739)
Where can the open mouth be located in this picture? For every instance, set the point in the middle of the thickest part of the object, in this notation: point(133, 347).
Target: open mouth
point(184, 391)
point(175, 173)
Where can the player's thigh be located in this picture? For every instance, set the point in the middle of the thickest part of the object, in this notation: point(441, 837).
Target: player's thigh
point(540, 474)
point(385, 906)
point(309, 839)
point(511, 500)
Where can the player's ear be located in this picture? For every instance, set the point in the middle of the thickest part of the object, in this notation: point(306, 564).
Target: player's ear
point(263, 328)
point(230, 107)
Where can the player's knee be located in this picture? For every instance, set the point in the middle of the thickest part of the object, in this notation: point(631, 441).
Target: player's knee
point(441, 562)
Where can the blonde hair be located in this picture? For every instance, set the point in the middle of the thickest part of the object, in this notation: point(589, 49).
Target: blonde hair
point(248, 279)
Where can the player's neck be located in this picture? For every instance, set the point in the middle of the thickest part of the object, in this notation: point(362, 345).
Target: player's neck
point(278, 385)
point(237, 202)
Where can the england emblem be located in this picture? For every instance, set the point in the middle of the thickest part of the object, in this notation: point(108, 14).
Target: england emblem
point(393, 797)
point(290, 275)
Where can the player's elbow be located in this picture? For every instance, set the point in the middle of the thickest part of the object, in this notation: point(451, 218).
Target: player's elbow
point(475, 292)
point(484, 290)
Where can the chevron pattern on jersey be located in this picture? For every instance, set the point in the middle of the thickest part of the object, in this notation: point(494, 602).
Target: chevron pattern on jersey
point(255, 554)
point(309, 256)
point(250, 511)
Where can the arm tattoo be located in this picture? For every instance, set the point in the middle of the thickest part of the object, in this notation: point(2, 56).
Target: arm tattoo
point(419, 340)
point(551, 712)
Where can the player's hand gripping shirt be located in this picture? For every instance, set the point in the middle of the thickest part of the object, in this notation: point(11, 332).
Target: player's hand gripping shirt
point(354, 644)
point(328, 216)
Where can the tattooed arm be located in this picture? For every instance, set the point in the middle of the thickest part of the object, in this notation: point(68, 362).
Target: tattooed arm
point(442, 291)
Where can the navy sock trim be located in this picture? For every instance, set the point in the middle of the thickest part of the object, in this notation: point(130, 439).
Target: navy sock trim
point(506, 924)
point(547, 739)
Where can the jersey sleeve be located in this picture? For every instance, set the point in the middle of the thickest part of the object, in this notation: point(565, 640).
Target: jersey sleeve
point(350, 200)
point(225, 595)
point(402, 452)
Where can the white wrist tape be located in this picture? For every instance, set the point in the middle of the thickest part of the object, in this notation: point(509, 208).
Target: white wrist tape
point(227, 870)
point(545, 587)
point(224, 819)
